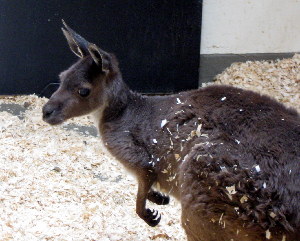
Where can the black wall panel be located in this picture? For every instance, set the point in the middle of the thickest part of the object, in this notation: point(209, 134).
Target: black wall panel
point(157, 42)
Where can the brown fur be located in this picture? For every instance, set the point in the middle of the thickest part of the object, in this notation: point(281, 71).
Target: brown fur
point(232, 162)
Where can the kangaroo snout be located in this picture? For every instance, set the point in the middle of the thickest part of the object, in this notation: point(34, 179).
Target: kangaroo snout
point(47, 111)
point(52, 113)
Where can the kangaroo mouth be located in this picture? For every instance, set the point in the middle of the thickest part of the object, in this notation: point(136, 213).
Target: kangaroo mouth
point(53, 121)
point(53, 117)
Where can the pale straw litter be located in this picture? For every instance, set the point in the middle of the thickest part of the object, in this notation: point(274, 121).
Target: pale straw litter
point(59, 185)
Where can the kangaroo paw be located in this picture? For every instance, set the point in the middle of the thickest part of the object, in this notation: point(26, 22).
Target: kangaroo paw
point(151, 217)
point(158, 198)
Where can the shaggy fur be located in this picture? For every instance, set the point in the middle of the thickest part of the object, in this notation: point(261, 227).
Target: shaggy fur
point(230, 156)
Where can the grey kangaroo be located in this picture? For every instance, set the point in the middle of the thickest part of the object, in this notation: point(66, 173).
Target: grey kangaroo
point(230, 156)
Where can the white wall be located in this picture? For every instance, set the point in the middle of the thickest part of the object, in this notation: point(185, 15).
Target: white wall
point(250, 26)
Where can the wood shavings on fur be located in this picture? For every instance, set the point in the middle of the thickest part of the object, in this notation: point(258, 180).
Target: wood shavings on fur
point(177, 157)
point(163, 123)
point(268, 234)
point(231, 191)
point(57, 184)
point(272, 215)
point(198, 131)
point(178, 101)
point(243, 199)
point(257, 168)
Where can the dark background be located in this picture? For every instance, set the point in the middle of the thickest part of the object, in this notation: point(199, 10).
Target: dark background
point(157, 42)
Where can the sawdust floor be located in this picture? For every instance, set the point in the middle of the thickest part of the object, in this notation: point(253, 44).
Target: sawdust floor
point(57, 184)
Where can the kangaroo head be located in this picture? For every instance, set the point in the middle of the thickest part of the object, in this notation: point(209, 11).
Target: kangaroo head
point(83, 86)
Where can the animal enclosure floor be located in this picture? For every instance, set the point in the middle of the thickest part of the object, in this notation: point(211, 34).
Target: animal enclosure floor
point(57, 184)
point(279, 79)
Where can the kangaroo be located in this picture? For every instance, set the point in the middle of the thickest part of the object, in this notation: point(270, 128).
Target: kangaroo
point(230, 156)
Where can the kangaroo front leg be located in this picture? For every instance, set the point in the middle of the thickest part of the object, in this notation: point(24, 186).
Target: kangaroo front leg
point(149, 216)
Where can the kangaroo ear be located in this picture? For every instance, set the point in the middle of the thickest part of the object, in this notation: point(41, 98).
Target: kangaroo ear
point(100, 57)
point(78, 44)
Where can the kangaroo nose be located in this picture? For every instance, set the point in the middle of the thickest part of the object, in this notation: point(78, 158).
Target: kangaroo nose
point(47, 111)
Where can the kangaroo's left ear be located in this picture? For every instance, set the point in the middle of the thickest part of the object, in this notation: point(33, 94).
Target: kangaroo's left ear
point(100, 57)
point(78, 44)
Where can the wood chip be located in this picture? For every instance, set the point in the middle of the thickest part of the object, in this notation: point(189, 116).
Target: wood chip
point(243, 199)
point(231, 189)
point(198, 131)
point(163, 123)
point(177, 157)
point(272, 215)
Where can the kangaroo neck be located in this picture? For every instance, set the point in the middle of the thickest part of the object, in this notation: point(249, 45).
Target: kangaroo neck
point(118, 99)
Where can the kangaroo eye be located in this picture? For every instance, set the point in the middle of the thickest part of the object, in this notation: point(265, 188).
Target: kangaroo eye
point(84, 92)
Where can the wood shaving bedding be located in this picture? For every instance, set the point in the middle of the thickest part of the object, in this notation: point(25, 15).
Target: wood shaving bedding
point(279, 79)
point(56, 184)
